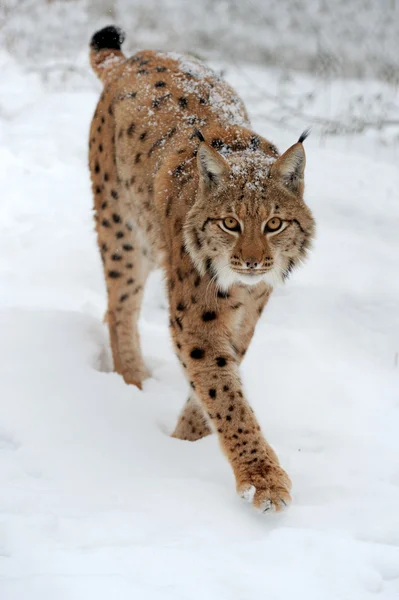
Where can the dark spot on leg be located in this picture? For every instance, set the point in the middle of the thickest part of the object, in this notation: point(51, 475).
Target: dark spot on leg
point(208, 316)
point(212, 393)
point(116, 218)
point(197, 353)
point(114, 274)
point(221, 361)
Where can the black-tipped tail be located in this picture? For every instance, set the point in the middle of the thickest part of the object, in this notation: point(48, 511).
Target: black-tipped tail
point(109, 38)
point(304, 135)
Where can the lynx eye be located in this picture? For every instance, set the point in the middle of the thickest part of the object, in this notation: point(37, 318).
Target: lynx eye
point(273, 224)
point(231, 224)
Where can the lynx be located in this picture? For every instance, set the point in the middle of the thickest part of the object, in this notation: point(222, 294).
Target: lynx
point(181, 182)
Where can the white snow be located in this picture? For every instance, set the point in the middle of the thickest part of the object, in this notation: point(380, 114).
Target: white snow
point(97, 501)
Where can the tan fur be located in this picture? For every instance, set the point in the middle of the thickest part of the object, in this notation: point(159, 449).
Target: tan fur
point(160, 196)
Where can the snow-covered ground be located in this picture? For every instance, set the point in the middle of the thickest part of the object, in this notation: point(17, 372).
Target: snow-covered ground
point(96, 500)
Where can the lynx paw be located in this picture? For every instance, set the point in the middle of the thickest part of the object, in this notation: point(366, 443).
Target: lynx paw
point(192, 424)
point(136, 377)
point(268, 491)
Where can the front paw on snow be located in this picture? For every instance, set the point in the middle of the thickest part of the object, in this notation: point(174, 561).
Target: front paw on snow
point(268, 493)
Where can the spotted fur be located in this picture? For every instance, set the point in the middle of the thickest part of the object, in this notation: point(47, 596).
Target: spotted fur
point(172, 156)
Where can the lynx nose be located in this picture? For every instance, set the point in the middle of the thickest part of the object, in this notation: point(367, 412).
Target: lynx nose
point(251, 262)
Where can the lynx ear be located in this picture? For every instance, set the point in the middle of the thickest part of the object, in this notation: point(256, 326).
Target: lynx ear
point(211, 165)
point(290, 167)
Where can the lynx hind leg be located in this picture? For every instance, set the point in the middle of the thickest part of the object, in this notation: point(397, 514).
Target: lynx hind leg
point(192, 424)
point(125, 266)
point(125, 294)
point(126, 271)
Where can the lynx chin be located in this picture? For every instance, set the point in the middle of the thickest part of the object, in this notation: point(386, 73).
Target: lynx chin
point(182, 182)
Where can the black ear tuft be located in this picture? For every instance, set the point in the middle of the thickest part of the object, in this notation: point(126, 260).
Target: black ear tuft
point(304, 135)
point(109, 38)
point(199, 135)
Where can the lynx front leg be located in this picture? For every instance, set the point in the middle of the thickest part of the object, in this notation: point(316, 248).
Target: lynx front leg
point(213, 369)
point(193, 423)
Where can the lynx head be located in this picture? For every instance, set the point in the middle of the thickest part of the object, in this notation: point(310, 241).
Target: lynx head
point(249, 222)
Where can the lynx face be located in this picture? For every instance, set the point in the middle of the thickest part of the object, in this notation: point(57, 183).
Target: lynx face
point(249, 222)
